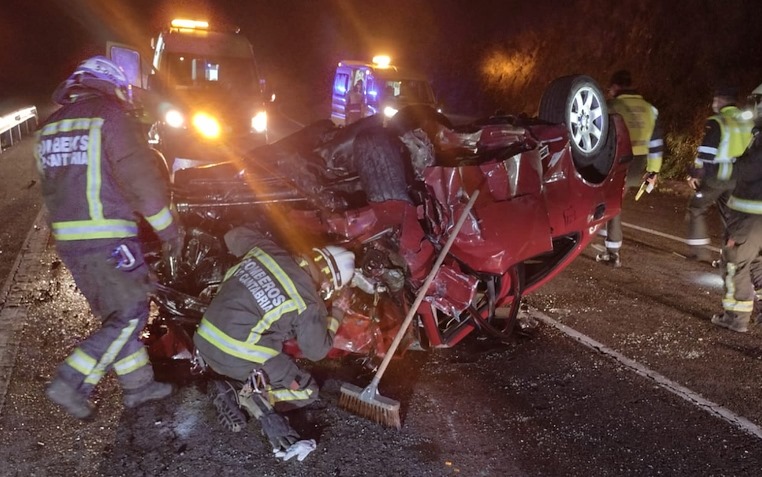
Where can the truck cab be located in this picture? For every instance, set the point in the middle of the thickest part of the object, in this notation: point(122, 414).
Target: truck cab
point(383, 87)
point(205, 95)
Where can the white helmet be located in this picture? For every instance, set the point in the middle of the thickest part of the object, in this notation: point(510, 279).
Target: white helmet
point(98, 74)
point(338, 266)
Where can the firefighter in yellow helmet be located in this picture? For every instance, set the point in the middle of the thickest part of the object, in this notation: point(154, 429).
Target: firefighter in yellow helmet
point(742, 252)
point(641, 118)
point(712, 177)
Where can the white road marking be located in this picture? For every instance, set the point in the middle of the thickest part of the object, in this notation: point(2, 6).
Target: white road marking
point(694, 398)
point(663, 235)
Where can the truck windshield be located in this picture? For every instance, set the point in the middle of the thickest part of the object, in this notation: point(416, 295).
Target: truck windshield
point(417, 91)
point(193, 71)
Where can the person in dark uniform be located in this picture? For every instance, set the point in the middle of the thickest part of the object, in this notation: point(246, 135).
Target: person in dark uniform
point(742, 251)
point(726, 136)
point(98, 178)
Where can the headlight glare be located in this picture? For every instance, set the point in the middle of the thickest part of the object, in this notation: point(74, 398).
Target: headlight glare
point(174, 118)
point(259, 122)
point(389, 111)
point(206, 125)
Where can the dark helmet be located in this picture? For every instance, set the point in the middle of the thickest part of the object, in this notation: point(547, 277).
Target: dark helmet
point(97, 74)
point(726, 91)
point(621, 78)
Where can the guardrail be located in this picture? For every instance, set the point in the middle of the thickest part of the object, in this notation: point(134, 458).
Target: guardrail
point(11, 125)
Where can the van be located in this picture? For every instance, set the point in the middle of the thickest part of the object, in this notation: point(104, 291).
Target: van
point(381, 88)
point(204, 93)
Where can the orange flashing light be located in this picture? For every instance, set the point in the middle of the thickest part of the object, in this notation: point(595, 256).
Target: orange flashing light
point(189, 24)
point(382, 61)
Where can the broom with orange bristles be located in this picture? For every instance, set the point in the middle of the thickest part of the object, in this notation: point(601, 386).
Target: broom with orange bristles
point(368, 403)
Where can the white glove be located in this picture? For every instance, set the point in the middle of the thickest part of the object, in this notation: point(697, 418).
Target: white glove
point(300, 449)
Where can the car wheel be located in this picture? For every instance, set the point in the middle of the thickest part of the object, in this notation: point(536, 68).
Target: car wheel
point(578, 102)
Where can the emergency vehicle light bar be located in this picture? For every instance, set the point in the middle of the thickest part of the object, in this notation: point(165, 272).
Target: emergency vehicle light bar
point(382, 61)
point(191, 24)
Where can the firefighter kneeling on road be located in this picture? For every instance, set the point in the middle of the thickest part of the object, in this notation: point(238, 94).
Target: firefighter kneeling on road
point(742, 253)
point(269, 297)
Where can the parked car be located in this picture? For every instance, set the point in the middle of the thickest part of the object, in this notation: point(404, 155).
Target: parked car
point(391, 193)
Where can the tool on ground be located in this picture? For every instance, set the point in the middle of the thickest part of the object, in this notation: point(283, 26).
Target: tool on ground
point(647, 185)
point(368, 402)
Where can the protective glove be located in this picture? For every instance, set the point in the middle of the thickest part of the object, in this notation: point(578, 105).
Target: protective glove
point(299, 449)
point(278, 431)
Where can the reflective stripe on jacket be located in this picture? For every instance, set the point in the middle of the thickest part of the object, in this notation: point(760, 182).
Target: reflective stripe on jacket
point(747, 195)
point(97, 172)
point(264, 300)
point(734, 137)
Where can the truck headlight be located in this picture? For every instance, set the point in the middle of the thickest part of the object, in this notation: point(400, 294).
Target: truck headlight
point(174, 118)
point(259, 122)
point(207, 125)
point(389, 111)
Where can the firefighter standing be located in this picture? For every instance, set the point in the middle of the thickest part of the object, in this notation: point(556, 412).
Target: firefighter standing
point(97, 173)
point(742, 253)
point(712, 178)
point(267, 298)
point(641, 118)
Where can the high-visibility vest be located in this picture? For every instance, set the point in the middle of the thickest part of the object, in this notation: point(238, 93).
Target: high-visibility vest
point(639, 116)
point(735, 136)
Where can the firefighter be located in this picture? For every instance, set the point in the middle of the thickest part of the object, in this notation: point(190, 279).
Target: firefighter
point(741, 260)
point(711, 176)
point(641, 118)
point(265, 299)
point(98, 175)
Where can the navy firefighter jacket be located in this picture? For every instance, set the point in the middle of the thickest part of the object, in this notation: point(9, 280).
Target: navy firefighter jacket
point(98, 174)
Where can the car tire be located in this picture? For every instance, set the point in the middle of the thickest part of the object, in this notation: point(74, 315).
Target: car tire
point(578, 102)
point(379, 164)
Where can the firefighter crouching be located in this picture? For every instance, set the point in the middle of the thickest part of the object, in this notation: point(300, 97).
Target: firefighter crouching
point(97, 174)
point(268, 297)
point(742, 264)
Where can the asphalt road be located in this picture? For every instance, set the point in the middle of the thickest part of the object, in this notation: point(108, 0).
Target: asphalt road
point(647, 387)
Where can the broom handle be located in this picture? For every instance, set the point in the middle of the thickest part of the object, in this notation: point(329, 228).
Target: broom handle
point(422, 292)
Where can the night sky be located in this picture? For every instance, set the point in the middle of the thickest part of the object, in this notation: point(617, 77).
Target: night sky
point(479, 54)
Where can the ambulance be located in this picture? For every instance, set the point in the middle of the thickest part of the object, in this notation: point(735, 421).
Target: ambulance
point(384, 88)
point(204, 92)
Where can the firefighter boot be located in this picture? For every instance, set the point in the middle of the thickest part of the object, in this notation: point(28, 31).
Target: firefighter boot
point(69, 399)
point(732, 322)
point(225, 399)
point(609, 257)
point(152, 391)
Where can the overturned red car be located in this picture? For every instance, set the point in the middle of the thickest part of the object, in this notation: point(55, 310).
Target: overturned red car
point(392, 193)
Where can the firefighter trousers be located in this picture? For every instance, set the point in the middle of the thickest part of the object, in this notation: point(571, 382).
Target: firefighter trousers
point(635, 173)
point(742, 262)
point(711, 191)
point(119, 298)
